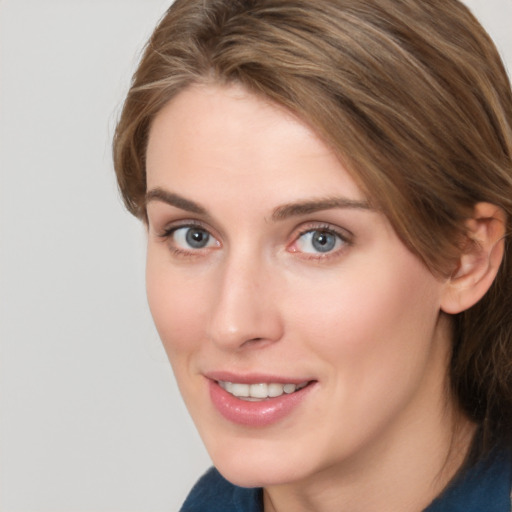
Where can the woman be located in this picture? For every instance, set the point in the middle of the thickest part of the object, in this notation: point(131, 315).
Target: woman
point(327, 189)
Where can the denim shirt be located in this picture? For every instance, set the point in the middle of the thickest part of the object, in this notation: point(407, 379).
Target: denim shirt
point(483, 488)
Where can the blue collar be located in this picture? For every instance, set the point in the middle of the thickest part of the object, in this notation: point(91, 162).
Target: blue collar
point(484, 487)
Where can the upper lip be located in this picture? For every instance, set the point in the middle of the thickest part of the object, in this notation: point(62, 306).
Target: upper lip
point(254, 378)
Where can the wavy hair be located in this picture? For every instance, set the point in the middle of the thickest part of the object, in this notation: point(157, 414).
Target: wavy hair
point(413, 98)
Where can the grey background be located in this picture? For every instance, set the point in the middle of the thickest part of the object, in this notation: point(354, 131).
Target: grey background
point(91, 419)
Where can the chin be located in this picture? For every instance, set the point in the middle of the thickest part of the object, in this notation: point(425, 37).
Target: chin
point(257, 476)
point(260, 466)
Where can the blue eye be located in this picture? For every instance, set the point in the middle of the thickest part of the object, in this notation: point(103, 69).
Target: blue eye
point(319, 241)
point(192, 237)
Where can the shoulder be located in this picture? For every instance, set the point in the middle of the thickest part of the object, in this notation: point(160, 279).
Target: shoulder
point(213, 493)
point(484, 486)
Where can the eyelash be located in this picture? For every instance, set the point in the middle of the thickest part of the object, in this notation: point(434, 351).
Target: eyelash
point(167, 235)
point(343, 236)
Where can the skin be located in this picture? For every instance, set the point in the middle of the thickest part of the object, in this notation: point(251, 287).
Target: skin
point(363, 320)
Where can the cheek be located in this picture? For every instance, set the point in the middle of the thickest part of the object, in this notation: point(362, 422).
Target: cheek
point(372, 320)
point(178, 307)
point(374, 334)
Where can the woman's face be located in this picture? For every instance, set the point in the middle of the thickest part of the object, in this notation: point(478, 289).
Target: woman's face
point(270, 277)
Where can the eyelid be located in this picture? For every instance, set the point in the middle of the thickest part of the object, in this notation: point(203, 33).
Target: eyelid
point(344, 235)
point(166, 235)
point(170, 227)
point(306, 227)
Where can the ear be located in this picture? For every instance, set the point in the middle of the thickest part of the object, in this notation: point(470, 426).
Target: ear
point(480, 259)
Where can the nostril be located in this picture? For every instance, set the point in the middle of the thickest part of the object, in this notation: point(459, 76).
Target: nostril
point(256, 341)
point(243, 321)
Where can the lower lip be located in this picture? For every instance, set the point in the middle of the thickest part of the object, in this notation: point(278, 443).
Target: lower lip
point(255, 414)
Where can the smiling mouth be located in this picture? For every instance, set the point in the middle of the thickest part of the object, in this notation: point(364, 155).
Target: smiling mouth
point(260, 391)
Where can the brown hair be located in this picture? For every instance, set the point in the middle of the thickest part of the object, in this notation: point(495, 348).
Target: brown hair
point(413, 98)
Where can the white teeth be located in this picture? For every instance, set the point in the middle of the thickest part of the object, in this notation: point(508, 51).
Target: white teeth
point(261, 390)
point(275, 390)
point(289, 388)
point(240, 389)
point(258, 390)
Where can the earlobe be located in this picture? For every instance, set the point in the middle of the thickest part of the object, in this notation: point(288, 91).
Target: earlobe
point(479, 261)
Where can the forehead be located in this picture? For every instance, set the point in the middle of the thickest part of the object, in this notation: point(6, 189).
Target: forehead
point(226, 136)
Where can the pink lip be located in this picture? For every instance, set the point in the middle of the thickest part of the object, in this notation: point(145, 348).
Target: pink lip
point(255, 414)
point(254, 378)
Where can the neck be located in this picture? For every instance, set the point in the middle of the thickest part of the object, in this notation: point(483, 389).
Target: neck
point(404, 468)
point(396, 480)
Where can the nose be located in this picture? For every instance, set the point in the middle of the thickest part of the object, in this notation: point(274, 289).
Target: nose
point(247, 310)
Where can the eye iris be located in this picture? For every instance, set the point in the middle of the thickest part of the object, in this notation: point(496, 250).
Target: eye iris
point(323, 241)
point(197, 238)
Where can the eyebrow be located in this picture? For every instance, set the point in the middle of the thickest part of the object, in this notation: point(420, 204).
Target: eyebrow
point(280, 213)
point(159, 194)
point(306, 207)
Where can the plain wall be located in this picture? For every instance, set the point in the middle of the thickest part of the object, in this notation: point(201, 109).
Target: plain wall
point(91, 419)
